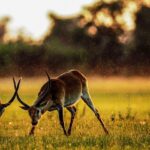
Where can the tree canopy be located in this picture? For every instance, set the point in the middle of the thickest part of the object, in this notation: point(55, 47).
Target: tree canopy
point(102, 39)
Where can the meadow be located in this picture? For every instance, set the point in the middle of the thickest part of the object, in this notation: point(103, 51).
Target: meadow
point(124, 105)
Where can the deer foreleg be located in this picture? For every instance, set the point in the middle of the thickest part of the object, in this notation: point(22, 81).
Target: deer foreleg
point(32, 130)
point(72, 111)
point(60, 112)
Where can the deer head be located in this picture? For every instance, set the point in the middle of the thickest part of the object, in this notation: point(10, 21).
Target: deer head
point(35, 111)
point(3, 106)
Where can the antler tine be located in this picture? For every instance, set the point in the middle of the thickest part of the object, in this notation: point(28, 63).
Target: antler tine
point(18, 97)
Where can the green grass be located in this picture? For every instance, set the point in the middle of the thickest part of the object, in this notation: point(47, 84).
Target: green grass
point(124, 105)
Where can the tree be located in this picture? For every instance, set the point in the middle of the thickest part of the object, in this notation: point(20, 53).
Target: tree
point(3, 27)
point(140, 53)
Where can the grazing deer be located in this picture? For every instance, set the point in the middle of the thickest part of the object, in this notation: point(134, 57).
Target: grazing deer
point(55, 94)
point(3, 106)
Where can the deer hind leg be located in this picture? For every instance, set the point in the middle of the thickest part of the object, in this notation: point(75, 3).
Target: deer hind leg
point(72, 110)
point(61, 118)
point(86, 98)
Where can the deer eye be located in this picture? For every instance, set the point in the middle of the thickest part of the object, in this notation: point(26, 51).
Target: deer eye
point(38, 111)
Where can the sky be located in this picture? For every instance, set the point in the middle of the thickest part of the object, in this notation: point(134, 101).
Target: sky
point(31, 15)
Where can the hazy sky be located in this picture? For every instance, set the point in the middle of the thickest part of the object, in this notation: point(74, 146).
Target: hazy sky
point(32, 14)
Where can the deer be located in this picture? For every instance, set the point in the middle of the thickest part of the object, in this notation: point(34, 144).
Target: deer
point(58, 93)
point(3, 106)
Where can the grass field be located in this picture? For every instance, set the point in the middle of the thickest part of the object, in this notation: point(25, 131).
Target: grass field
point(124, 105)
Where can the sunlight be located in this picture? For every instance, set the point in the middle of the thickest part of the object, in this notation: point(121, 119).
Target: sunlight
point(31, 19)
point(104, 19)
point(31, 16)
point(128, 21)
point(92, 30)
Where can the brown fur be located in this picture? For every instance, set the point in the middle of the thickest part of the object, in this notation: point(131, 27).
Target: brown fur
point(66, 89)
point(63, 91)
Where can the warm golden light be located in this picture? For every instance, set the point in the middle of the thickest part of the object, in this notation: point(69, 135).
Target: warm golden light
point(147, 2)
point(92, 30)
point(104, 18)
point(31, 17)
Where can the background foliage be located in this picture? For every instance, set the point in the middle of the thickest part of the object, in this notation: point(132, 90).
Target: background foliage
point(83, 42)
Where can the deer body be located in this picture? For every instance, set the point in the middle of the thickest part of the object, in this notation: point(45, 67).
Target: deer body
point(63, 91)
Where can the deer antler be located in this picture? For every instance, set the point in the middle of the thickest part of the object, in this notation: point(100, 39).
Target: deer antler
point(26, 106)
point(14, 95)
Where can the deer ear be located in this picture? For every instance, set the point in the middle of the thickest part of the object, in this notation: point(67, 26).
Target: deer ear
point(24, 108)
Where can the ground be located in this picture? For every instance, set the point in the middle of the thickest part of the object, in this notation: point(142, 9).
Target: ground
point(124, 105)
